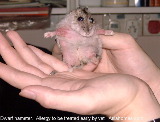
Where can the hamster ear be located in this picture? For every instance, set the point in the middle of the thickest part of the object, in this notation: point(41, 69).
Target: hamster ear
point(74, 10)
point(85, 10)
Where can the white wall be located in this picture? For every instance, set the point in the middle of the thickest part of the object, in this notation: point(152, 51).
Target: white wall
point(35, 37)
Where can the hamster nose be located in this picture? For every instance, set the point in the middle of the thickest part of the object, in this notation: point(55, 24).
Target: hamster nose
point(85, 28)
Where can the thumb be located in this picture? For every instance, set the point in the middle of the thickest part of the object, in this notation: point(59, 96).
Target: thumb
point(72, 101)
point(117, 41)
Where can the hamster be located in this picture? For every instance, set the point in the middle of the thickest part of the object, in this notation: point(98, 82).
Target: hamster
point(77, 36)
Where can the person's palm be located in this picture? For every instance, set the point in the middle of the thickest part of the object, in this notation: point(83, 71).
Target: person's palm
point(122, 54)
point(79, 91)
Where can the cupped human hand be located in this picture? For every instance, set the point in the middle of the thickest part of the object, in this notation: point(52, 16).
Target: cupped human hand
point(122, 54)
point(26, 60)
point(82, 92)
point(23, 58)
point(87, 93)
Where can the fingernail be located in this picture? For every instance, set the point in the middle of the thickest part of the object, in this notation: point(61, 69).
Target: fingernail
point(28, 94)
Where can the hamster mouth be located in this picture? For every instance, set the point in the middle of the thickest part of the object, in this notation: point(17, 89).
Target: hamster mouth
point(84, 33)
point(87, 34)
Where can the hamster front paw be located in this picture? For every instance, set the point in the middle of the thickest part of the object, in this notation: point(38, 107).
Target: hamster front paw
point(49, 34)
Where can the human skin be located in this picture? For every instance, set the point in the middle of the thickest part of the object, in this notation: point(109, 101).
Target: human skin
point(123, 48)
point(122, 54)
point(97, 92)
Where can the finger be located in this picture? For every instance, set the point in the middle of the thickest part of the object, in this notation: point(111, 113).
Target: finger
point(12, 58)
point(73, 101)
point(119, 41)
point(50, 60)
point(27, 54)
point(18, 78)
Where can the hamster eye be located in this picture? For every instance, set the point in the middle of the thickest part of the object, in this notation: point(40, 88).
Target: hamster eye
point(80, 19)
point(91, 20)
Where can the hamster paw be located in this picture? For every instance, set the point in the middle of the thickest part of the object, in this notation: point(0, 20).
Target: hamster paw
point(49, 34)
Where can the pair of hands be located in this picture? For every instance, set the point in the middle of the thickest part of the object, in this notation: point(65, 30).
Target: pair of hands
point(108, 90)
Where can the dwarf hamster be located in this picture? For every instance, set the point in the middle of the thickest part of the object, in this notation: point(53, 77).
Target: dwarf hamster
point(77, 36)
